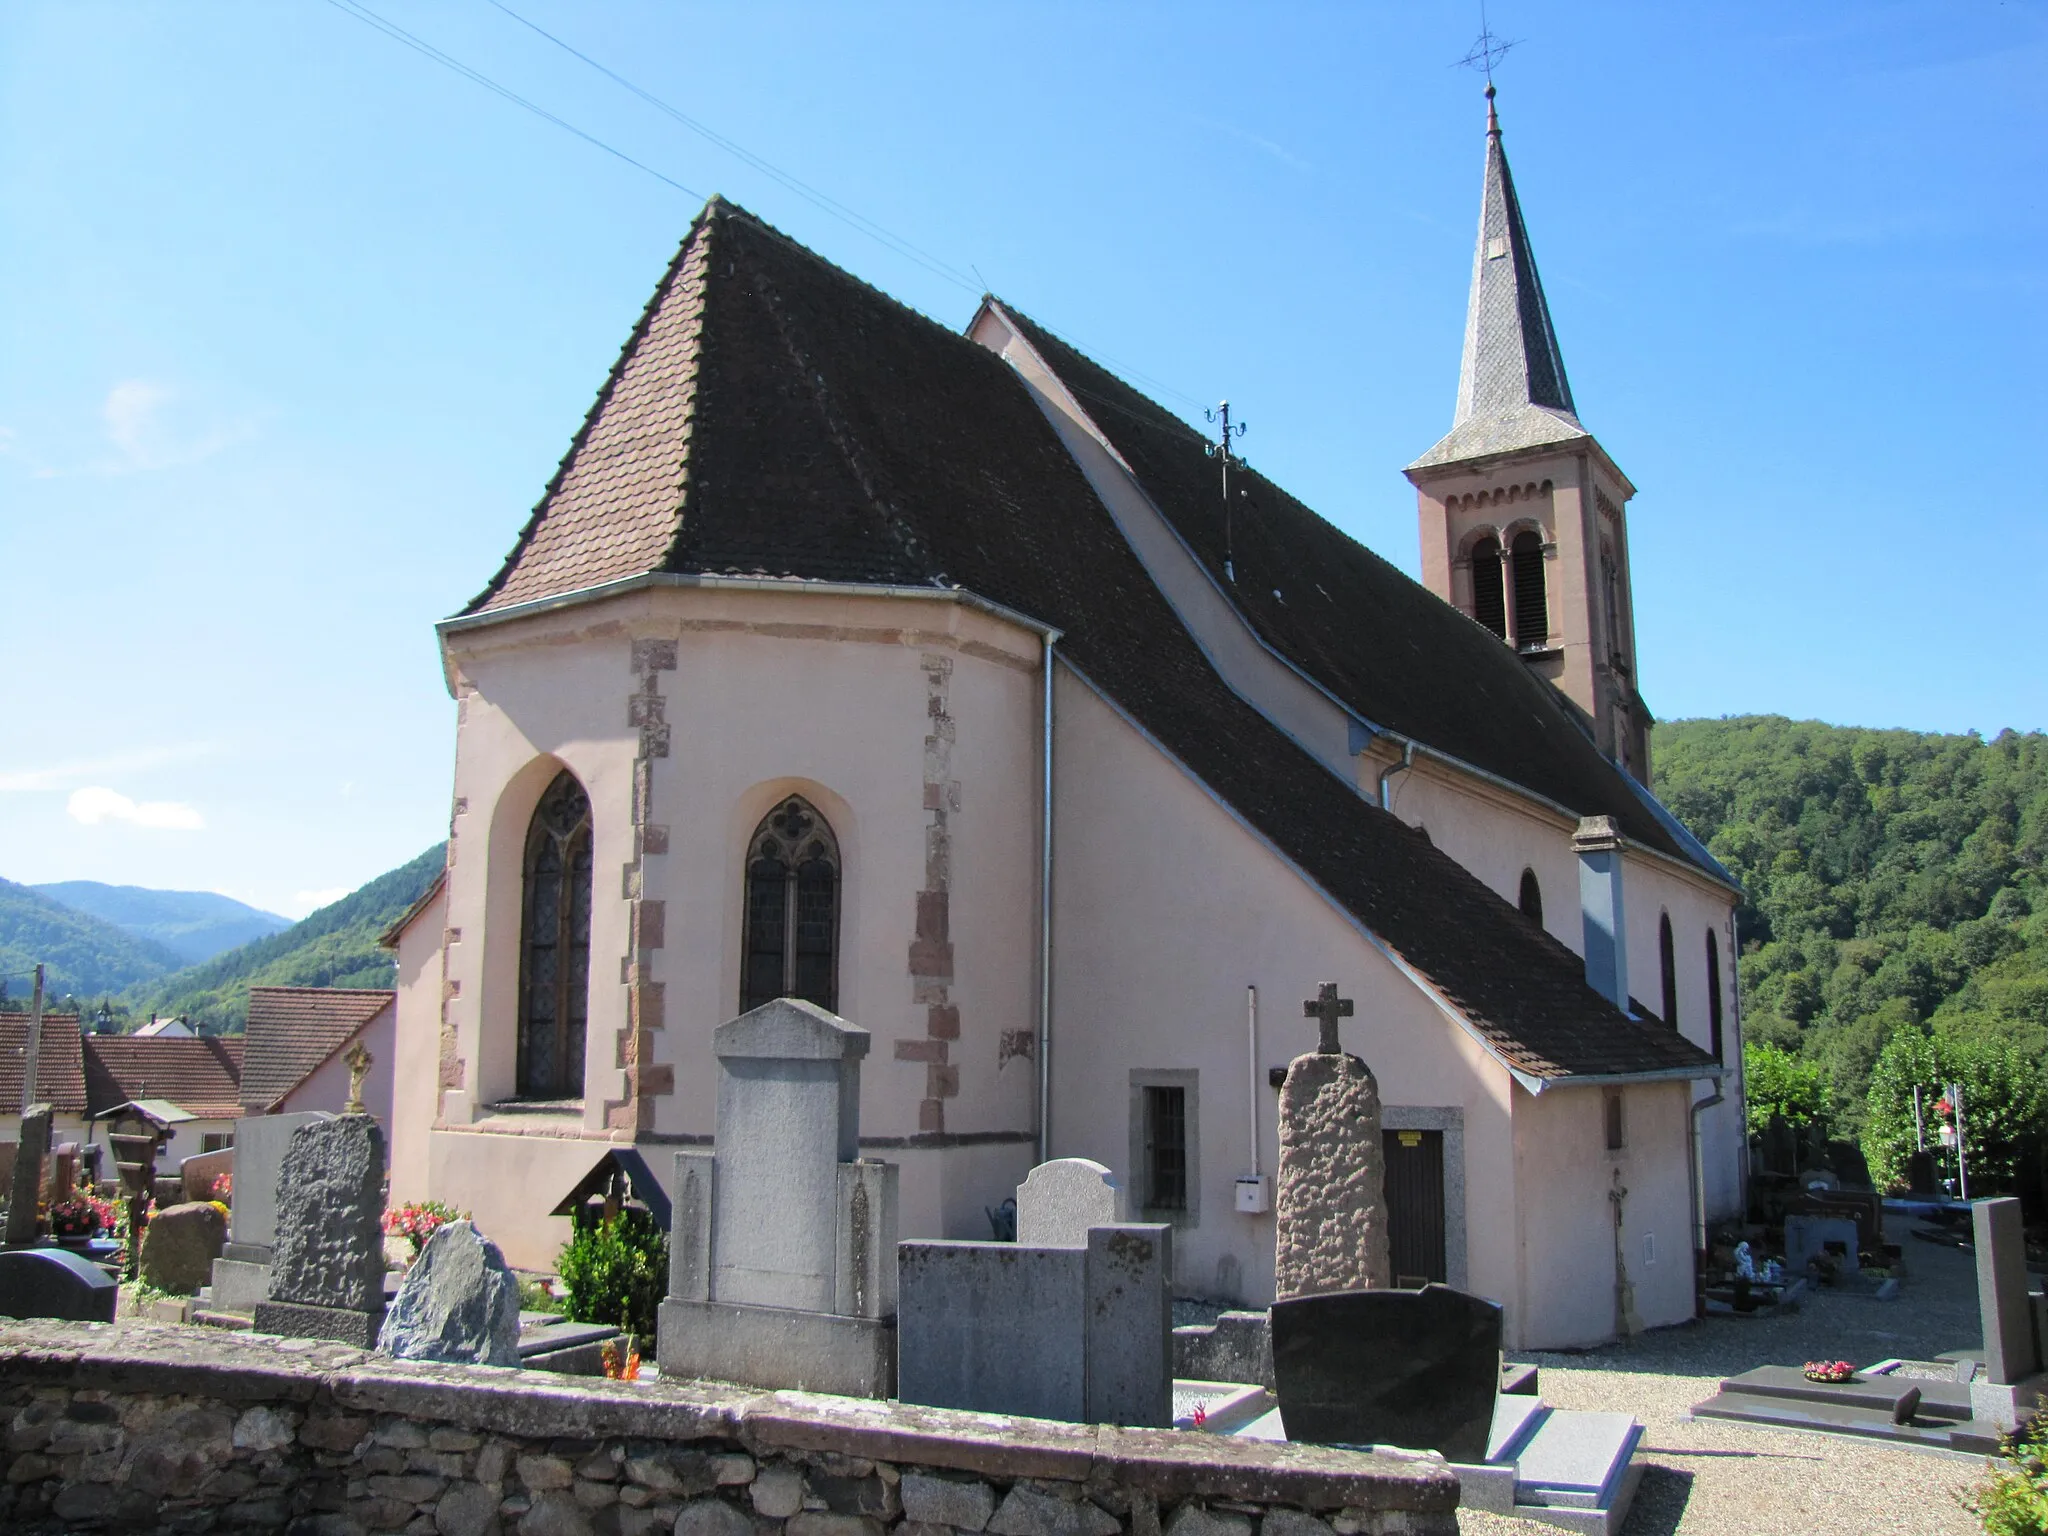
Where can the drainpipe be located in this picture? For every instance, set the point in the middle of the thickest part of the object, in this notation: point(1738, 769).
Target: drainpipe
point(1407, 761)
point(1045, 919)
point(1697, 1185)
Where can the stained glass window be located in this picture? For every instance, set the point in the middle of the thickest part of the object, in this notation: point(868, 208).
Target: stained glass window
point(792, 909)
point(554, 978)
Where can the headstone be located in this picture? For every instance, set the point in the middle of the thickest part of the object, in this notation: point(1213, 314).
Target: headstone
point(782, 1241)
point(1417, 1369)
point(1807, 1238)
point(1850, 1168)
point(1330, 1214)
point(199, 1173)
point(2011, 1353)
point(64, 1172)
point(1059, 1201)
point(327, 1270)
point(27, 1186)
point(179, 1249)
point(458, 1302)
point(1920, 1173)
point(1076, 1333)
point(241, 1276)
point(52, 1282)
point(1779, 1146)
point(7, 1149)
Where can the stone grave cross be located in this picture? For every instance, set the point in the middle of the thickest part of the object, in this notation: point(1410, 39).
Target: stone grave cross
point(1327, 1008)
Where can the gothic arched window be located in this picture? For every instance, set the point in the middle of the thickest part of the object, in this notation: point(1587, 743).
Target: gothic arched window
point(1714, 994)
point(554, 953)
point(792, 911)
point(1531, 901)
point(1489, 605)
point(1668, 962)
point(1532, 611)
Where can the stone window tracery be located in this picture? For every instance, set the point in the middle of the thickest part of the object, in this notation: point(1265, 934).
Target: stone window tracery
point(792, 909)
point(554, 955)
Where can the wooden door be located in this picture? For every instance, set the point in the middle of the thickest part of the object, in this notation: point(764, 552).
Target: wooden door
point(1415, 1206)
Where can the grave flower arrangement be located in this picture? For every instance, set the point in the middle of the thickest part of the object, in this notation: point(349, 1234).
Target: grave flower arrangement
point(1829, 1370)
point(418, 1220)
point(80, 1215)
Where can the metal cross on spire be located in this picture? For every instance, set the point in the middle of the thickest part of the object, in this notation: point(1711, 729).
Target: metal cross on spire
point(1326, 1007)
point(1220, 449)
point(1488, 50)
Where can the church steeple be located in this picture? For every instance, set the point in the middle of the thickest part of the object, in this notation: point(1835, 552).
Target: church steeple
point(1522, 515)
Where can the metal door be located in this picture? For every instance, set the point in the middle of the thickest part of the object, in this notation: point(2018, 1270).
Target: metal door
point(1415, 1205)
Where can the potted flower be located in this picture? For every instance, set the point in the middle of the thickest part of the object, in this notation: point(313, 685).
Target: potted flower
point(80, 1215)
point(1830, 1370)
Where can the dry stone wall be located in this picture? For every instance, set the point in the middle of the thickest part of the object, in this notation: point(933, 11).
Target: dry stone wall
point(133, 1428)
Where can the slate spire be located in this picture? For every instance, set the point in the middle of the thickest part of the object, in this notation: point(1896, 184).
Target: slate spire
point(1511, 356)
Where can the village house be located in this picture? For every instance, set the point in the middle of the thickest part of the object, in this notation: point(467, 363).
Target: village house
point(191, 1085)
point(296, 1046)
point(932, 678)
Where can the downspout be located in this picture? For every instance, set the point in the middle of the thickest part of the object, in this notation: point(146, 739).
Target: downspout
point(1696, 1184)
point(1406, 762)
point(1045, 917)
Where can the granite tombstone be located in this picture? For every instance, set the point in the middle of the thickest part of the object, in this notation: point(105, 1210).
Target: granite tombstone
point(327, 1270)
point(1060, 1200)
point(241, 1275)
point(51, 1282)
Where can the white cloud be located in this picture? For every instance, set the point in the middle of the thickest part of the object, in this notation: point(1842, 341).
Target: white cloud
point(149, 432)
point(96, 803)
point(62, 775)
point(303, 902)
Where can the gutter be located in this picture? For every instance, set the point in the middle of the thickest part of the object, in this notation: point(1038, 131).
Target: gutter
point(1407, 761)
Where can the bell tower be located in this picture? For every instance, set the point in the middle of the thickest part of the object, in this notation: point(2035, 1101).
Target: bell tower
point(1523, 515)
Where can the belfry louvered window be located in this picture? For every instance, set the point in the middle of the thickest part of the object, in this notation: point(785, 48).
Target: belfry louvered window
point(554, 957)
point(792, 911)
point(1489, 604)
point(1532, 610)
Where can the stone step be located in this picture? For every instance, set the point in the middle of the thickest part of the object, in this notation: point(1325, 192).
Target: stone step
point(1576, 1460)
point(234, 1321)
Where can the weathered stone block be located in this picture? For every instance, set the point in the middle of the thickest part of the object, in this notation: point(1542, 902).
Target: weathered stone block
point(180, 1245)
point(1194, 1520)
point(263, 1429)
point(965, 1504)
point(711, 1517)
point(544, 1472)
point(1330, 1213)
point(330, 1238)
point(1026, 1512)
point(458, 1302)
point(466, 1509)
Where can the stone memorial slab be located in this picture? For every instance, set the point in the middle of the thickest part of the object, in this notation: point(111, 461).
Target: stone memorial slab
point(51, 1282)
point(459, 1302)
point(1808, 1237)
point(2011, 1353)
point(261, 1142)
point(1060, 1200)
point(26, 1187)
point(1128, 1317)
point(782, 1266)
point(1417, 1369)
point(1576, 1460)
point(327, 1269)
point(180, 1246)
point(200, 1172)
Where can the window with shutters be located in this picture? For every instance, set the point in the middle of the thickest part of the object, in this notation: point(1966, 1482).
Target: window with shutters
point(1714, 994)
point(792, 909)
point(1489, 606)
point(1531, 901)
point(1532, 609)
point(554, 959)
point(1668, 963)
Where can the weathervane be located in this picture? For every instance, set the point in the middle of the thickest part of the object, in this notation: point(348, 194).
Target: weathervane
point(1487, 51)
point(1220, 449)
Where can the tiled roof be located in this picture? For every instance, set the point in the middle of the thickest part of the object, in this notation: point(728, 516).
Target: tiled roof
point(835, 434)
point(292, 1030)
point(201, 1076)
point(60, 1068)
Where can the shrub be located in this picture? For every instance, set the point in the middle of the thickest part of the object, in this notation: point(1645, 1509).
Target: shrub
point(1775, 1082)
point(616, 1272)
point(2005, 1102)
point(2012, 1500)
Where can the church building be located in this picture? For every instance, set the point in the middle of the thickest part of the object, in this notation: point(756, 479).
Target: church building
point(945, 680)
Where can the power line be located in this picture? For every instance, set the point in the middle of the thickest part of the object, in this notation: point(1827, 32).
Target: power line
point(419, 45)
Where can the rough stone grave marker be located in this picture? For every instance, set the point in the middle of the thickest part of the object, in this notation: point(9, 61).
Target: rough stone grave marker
point(458, 1302)
point(782, 1243)
point(1060, 1200)
point(179, 1249)
point(1330, 1214)
point(327, 1269)
point(27, 1186)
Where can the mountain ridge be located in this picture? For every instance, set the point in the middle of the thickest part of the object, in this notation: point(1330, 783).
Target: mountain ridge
point(193, 925)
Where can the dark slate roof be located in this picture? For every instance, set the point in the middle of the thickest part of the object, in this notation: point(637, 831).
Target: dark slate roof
point(292, 1030)
point(202, 1076)
point(1385, 645)
point(60, 1064)
point(1512, 389)
point(814, 428)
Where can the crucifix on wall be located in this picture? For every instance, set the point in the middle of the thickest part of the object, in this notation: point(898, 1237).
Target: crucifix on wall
point(1326, 1007)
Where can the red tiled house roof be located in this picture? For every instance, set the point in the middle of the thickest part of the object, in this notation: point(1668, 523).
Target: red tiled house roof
point(60, 1068)
point(201, 1076)
point(292, 1030)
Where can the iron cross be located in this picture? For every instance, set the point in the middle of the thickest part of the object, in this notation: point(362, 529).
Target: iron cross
point(1326, 1007)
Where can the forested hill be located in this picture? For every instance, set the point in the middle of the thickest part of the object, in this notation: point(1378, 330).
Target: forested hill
point(335, 947)
point(82, 955)
point(1893, 879)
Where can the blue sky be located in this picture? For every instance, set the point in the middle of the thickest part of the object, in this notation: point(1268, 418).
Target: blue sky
point(297, 323)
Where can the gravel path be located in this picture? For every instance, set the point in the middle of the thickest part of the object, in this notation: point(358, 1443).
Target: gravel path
point(1718, 1479)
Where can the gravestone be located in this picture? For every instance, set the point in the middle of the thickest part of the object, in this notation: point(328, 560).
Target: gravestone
point(1417, 1369)
point(1851, 1169)
point(1778, 1146)
point(64, 1172)
point(2011, 1352)
point(1081, 1333)
point(1060, 1200)
point(1330, 1213)
point(27, 1186)
point(1920, 1173)
point(180, 1246)
point(782, 1241)
point(1807, 1238)
point(327, 1268)
point(51, 1282)
point(241, 1276)
point(459, 1302)
point(199, 1173)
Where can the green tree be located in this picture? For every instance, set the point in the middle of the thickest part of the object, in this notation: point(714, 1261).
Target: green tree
point(1779, 1083)
point(2005, 1103)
